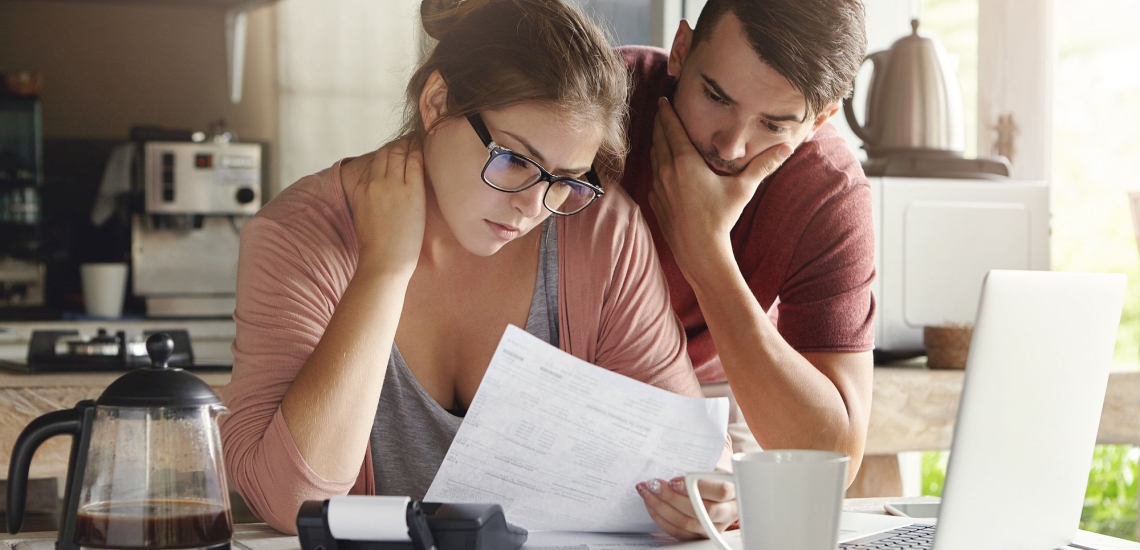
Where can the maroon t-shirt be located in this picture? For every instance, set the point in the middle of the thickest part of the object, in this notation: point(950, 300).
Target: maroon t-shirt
point(804, 242)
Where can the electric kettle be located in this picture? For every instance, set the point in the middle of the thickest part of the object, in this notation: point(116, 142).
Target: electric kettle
point(914, 102)
point(146, 468)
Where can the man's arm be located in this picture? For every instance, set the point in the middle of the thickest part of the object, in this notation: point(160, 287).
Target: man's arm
point(813, 400)
point(790, 400)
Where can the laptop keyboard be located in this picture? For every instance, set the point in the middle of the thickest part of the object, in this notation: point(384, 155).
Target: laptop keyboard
point(917, 535)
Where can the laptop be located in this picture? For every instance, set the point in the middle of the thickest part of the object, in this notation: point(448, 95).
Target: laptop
point(1031, 402)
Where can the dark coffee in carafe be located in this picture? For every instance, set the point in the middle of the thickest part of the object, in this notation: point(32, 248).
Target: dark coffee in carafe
point(146, 469)
point(153, 524)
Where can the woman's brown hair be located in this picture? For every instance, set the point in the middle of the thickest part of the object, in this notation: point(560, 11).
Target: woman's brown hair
point(498, 53)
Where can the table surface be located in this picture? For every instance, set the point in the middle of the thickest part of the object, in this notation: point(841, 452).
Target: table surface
point(915, 407)
point(259, 536)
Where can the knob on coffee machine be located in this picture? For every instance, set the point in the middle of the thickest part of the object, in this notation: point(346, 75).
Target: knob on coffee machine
point(245, 195)
point(146, 466)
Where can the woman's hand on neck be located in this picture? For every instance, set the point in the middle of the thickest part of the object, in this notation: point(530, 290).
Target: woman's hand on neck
point(386, 194)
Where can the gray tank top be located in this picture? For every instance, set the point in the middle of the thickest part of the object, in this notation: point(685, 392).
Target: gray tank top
point(412, 432)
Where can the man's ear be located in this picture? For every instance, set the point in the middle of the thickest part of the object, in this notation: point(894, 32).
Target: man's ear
point(682, 44)
point(433, 101)
point(824, 116)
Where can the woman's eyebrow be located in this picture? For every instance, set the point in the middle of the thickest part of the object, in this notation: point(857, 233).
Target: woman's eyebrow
point(531, 151)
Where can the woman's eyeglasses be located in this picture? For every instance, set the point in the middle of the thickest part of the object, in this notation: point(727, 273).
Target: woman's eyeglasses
point(512, 172)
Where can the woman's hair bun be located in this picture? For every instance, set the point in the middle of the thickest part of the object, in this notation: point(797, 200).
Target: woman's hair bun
point(438, 15)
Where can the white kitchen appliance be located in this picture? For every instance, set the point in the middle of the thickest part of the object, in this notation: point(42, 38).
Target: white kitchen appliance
point(202, 178)
point(935, 241)
point(184, 244)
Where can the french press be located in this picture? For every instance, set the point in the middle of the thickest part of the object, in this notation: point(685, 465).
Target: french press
point(146, 469)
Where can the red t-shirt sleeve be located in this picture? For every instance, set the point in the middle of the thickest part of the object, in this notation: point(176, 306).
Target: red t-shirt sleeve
point(825, 301)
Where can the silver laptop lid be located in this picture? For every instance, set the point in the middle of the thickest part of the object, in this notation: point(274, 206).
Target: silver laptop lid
point(1031, 403)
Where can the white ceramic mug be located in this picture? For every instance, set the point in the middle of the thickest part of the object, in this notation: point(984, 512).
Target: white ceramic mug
point(104, 286)
point(787, 499)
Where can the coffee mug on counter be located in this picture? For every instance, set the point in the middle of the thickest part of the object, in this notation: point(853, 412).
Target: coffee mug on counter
point(104, 286)
point(787, 499)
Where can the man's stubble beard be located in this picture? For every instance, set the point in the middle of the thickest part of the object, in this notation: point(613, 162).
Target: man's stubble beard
point(713, 161)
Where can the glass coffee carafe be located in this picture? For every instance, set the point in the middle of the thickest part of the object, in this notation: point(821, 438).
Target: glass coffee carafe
point(146, 468)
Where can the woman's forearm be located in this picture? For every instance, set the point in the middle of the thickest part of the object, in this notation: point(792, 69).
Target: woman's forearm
point(332, 402)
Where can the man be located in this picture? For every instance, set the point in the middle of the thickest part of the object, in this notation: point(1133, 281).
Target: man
point(762, 219)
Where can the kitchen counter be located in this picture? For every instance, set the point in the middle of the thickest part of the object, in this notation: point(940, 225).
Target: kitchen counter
point(210, 338)
point(914, 407)
point(23, 397)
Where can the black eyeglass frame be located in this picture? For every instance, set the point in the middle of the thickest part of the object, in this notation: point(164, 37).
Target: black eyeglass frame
point(495, 150)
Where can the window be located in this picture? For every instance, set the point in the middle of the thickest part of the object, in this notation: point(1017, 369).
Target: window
point(954, 23)
point(1096, 107)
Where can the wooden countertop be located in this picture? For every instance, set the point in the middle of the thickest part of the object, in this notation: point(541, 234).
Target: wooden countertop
point(914, 409)
point(23, 397)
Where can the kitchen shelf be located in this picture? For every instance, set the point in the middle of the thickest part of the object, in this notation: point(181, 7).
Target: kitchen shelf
point(237, 20)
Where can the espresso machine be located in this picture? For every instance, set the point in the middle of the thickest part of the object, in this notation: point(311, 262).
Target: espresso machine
point(185, 233)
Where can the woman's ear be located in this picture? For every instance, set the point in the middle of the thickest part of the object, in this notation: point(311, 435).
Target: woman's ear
point(433, 101)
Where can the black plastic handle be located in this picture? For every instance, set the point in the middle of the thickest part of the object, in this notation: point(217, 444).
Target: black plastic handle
point(66, 422)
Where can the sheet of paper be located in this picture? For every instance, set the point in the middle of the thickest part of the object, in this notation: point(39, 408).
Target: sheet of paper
point(567, 540)
point(561, 443)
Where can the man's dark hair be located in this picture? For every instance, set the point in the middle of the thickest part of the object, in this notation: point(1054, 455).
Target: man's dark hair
point(818, 45)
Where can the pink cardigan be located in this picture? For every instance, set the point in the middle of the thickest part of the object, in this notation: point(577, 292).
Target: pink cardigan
point(299, 254)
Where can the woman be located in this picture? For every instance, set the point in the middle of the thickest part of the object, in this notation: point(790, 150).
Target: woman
point(372, 295)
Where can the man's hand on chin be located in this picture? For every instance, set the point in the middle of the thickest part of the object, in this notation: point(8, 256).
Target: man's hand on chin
point(696, 207)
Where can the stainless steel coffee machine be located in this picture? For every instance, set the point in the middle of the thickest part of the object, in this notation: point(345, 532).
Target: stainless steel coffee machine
point(184, 242)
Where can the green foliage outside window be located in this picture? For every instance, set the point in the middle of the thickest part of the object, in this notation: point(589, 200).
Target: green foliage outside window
point(1110, 502)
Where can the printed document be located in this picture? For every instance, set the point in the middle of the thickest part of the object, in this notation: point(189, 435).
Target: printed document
point(558, 540)
point(561, 444)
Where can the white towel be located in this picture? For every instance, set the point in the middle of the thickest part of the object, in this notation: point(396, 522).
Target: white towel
point(116, 181)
